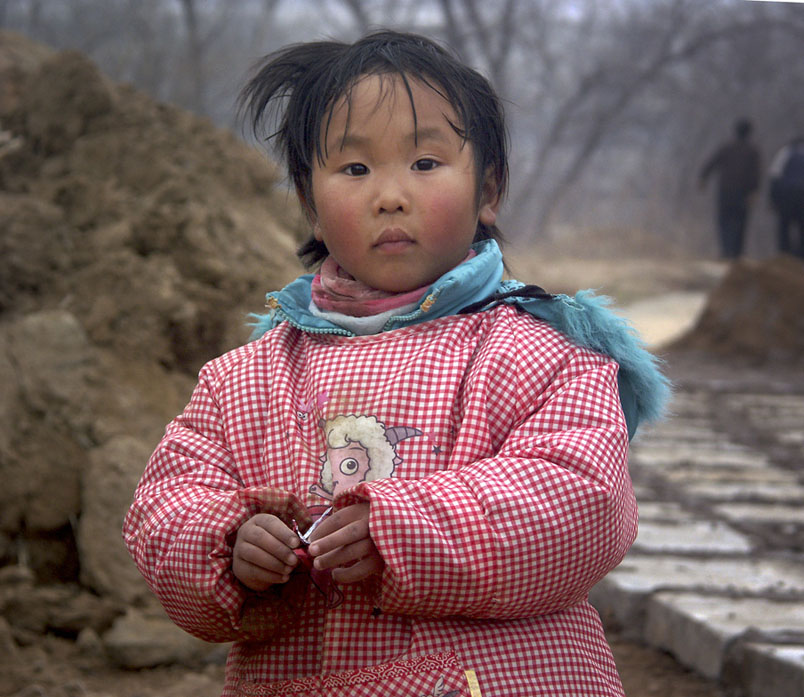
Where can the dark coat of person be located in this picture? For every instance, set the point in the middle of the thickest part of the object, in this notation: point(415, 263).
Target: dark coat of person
point(786, 189)
point(737, 165)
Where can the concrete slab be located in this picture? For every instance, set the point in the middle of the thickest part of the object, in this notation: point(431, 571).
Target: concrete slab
point(694, 535)
point(750, 475)
point(716, 575)
point(791, 438)
point(645, 492)
point(741, 576)
point(766, 670)
point(781, 415)
point(770, 406)
point(621, 598)
point(762, 513)
point(692, 402)
point(658, 511)
point(735, 484)
point(699, 630)
point(698, 429)
point(711, 455)
point(737, 491)
point(677, 429)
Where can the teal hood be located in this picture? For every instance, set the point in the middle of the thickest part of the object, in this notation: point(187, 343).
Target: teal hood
point(585, 318)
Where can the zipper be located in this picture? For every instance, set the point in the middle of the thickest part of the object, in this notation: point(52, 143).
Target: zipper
point(425, 306)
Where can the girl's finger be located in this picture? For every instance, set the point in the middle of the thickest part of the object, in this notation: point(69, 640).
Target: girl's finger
point(260, 558)
point(358, 571)
point(348, 534)
point(356, 514)
point(276, 529)
point(343, 556)
point(257, 578)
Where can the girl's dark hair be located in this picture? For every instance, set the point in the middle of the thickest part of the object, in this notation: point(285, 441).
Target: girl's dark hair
point(292, 94)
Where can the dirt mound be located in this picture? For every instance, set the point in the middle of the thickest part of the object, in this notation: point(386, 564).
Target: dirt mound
point(147, 223)
point(754, 314)
point(135, 240)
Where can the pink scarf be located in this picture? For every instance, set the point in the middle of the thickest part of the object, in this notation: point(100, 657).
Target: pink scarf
point(334, 290)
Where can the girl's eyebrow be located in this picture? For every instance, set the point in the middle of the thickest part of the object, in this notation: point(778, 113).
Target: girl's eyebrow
point(431, 133)
point(350, 140)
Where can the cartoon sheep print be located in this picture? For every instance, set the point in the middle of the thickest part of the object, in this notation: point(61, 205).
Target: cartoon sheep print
point(359, 449)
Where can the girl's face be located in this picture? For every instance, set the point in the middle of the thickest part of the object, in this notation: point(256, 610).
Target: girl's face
point(396, 203)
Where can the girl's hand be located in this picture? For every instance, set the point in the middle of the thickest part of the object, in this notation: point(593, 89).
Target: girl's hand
point(342, 543)
point(263, 552)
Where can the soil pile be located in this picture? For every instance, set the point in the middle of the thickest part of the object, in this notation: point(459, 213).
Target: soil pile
point(754, 314)
point(135, 240)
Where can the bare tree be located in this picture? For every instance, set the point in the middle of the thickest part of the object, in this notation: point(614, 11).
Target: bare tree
point(606, 98)
point(603, 94)
point(492, 37)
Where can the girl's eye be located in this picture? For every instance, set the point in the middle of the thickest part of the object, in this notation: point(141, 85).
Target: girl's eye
point(426, 164)
point(355, 170)
point(349, 466)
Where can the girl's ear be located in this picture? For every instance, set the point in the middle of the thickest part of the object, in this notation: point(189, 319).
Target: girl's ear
point(489, 200)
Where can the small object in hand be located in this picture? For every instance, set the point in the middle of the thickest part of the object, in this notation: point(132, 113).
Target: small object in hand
point(306, 537)
point(321, 579)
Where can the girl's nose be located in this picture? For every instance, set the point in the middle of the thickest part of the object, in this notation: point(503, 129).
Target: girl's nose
point(391, 196)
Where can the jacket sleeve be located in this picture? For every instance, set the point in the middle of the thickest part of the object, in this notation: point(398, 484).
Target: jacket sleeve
point(526, 532)
point(186, 511)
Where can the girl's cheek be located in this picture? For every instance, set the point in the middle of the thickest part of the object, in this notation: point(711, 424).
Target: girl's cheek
point(337, 214)
point(444, 211)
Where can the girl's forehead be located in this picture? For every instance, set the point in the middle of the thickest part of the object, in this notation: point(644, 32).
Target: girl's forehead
point(382, 94)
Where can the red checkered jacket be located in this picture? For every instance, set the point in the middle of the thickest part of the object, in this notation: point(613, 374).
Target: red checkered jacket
point(506, 499)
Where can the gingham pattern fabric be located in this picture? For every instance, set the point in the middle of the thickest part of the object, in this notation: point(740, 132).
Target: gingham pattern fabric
point(497, 520)
point(435, 674)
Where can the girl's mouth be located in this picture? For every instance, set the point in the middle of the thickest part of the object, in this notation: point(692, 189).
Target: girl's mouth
point(393, 240)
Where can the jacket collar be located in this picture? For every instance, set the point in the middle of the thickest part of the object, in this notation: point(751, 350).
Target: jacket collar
point(585, 318)
point(469, 282)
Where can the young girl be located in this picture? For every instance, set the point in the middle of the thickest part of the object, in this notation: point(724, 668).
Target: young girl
point(409, 481)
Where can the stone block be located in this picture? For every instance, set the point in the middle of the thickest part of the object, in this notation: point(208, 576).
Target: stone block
point(669, 511)
point(697, 429)
point(735, 491)
point(762, 513)
point(766, 670)
point(699, 630)
point(677, 453)
point(692, 535)
point(621, 598)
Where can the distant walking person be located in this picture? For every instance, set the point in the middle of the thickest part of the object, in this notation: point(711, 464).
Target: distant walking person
point(737, 166)
point(787, 195)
